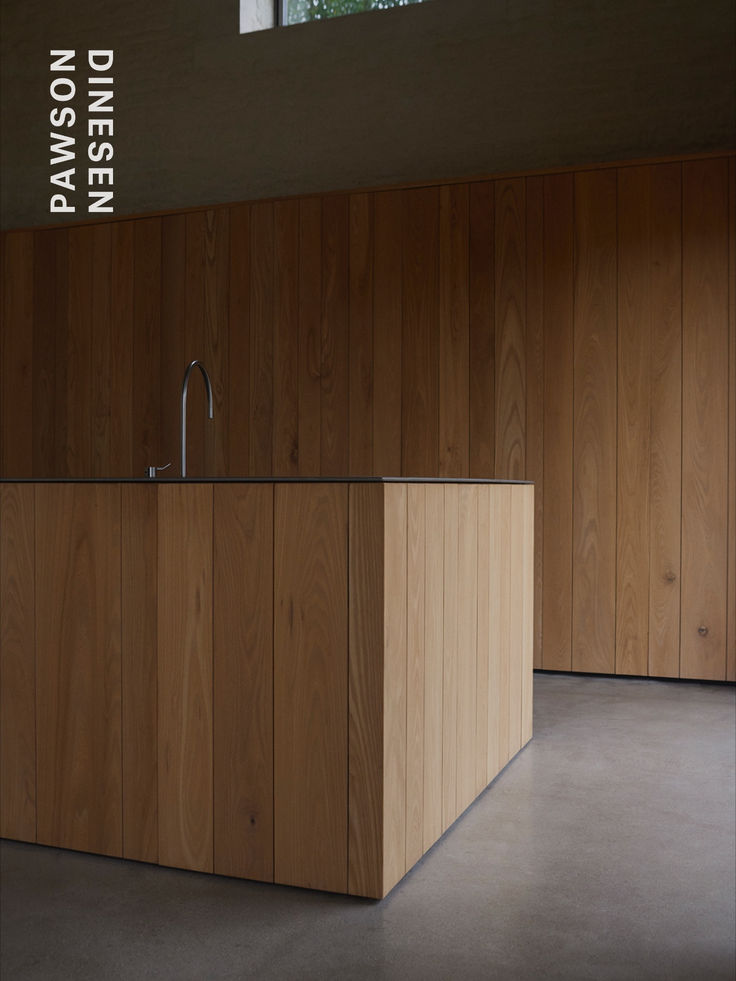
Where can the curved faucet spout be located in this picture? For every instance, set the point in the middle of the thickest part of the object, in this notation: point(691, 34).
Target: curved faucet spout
point(210, 408)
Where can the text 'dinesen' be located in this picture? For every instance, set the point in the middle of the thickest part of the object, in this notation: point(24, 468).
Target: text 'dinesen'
point(64, 131)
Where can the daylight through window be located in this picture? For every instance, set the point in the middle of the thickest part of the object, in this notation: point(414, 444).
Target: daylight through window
point(258, 15)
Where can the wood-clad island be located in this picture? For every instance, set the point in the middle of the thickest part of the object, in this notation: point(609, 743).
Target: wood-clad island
point(296, 681)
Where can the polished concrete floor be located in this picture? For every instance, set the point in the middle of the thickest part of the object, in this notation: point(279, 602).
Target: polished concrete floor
point(604, 851)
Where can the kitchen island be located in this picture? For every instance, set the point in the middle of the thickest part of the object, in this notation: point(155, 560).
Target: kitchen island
point(290, 680)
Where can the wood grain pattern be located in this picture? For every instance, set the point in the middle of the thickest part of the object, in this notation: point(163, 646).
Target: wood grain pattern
point(454, 327)
point(415, 652)
point(185, 676)
point(705, 418)
point(517, 629)
point(482, 344)
point(665, 463)
point(394, 684)
point(510, 320)
point(139, 671)
point(238, 378)
point(433, 661)
point(130, 297)
point(50, 311)
point(16, 356)
point(558, 423)
point(523, 501)
point(360, 312)
point(420, 340)
point(365, 695)
point(634, 413)
point(450, 656)
point(310, 335)
point(467, 643)
point(243, 680)
point(173, 351)
point(17, 663)
point(534, 451)
point(484, 637)
point(731, 600)
point(195, 339)
point(310, 686)
point(78, 650)
point(78, 393)
point(260, 442)
point(387, 354)
point(215, 303)
point(499, 600)
point(101, 367)
point(594, 424)
point(286, 348)
point(334, 359)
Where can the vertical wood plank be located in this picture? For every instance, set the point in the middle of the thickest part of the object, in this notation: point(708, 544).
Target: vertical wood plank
point(449, 657)
point(731, 613)
point(310, 334)
point(146, 338)
point(243, 680)
point(518, 630)
point(286, 340)
point(79, 352)
point(594, 425)
point(510, 320)
point(78, 684)
point(50, 309)
point(16, 356)
point(194, 336)
point(262, 303)
point(365, 698)
point(454, 330)
point(526, 496)
point(433, 661)
point(387, 305)
point(310, 686)
point(415, 647)
point(484, 637)
point(482, 343)
point(705, 418)
point(360, 312)
point(394, 684)
point(139, 671)
point(101, 352)
point(467, 642)
point(500, 639)
point(185, 676)
point(535, 387)
point(420, 326)
point(558, 422)
point(665, 463)
point(174, 352)
point(634, 409)
point(17, 663)
point(334, 360)
point(238, 381)
point(126, 389)
point(215, 325)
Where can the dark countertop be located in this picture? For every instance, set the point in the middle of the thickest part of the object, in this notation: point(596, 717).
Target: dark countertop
point(256, 480)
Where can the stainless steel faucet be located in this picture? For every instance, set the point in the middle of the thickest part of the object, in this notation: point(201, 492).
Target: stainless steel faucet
point(210, 412)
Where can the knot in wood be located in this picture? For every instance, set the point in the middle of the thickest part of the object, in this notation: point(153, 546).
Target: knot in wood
point(703, 631)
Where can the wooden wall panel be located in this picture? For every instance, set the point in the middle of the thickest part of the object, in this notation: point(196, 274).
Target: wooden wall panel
point(387, 330)
point(731, 626)
point(594, 423)
point(665, 399)
point(365, 691)
point(50, 317)
point(243, 680)
point(334, 360)
point(310, 335)
point(360, 312)
point(286, 352)
point(467, 643)
point(238, 375)
point(78, 656)
point(261, 340)
point(420, 334)
point(215, 302)
point(634, 414)
point(450, 656)
point(416, 549)
point(510, 320)
point(16, 356)
point(101, 367)
point(558, 422)
point(499, 680)
point(705, 418)
point(454, 329)
point(174, 353)
point(525, 500)
point(535, 387)
point(185, 676)
point(310, 685)
point(484, 638)
point(17, 663)
point(194, 332)
point(139, 671)
point(134, 381)
point(395, 683)
point(481, 342)
point(433, 661)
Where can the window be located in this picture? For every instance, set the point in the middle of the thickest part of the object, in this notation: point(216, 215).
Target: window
point(257, 15)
